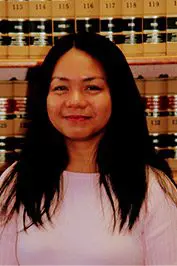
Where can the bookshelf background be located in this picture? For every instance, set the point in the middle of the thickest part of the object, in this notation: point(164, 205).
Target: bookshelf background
point(28, 28)
point(145, 30)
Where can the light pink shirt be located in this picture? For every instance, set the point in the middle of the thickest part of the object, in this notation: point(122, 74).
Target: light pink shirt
point(81, 233)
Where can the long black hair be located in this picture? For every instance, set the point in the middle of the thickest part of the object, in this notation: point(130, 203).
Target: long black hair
point(123, 153)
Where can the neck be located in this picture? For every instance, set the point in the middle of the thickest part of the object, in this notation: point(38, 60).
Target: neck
point(82, 156)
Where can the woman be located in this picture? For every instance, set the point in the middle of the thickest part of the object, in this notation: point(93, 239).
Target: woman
point(88, 187)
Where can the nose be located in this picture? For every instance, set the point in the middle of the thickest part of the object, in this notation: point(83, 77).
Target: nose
point(76, 99)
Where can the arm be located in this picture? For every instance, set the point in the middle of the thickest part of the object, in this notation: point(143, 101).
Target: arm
point(160, 227)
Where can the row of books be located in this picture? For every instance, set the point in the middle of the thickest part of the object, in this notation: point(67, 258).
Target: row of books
point(36, 45)
point(87, 8)
point(160, 100)
point(13, 114)
point(20, 38)
point(13, 120)
point(101, 25)
point(28, 29)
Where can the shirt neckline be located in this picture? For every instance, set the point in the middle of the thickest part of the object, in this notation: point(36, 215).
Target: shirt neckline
point(80, 174)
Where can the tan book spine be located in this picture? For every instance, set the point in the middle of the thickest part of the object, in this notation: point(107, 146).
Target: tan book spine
point(155, 7)
point(154, 27)
point(110, 20)
point(132, 27)
point(156, 105)
point(7, 142)
point(87, 13)
point(6, 109)
point(172, 104)
point(171, 27)
point(3, 29)
point(63, 20)
point(40, 28)
point(132, 8)
point(21, 120)
point(17, 11)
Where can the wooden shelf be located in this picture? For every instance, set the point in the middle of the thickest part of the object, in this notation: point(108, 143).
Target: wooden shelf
point(20, 63)
point(152, 60)
point(158, 60)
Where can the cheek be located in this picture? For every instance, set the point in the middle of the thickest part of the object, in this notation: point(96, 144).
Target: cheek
point(104, 110)
point(53, 106)
point(107, 106)
point(53, 110)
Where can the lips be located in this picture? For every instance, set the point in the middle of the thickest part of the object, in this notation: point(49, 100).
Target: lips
point(77, 117)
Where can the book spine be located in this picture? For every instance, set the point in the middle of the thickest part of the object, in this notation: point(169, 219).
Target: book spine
point(3, 29)
point(20, 103)
point(63, 20)
point(6, 123)
point(40, 28)
point(156, 105)
point(154, 27)
point(87, 15)
point(171, 27)
point(18, 31)
point(111, 20)
point(132, 27)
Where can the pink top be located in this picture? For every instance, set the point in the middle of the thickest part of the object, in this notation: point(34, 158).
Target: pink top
point(81, 231)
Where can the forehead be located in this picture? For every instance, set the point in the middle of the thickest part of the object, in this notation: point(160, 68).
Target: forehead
point(78, 63)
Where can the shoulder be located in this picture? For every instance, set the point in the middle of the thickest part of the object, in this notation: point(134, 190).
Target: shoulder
point(160, 184)
point(6, 172)
point(6, 186)
point(159, 221)
point(8, 230)
point(161, 193)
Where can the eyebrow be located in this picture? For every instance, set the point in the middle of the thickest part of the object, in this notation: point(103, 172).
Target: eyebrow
point(84, 79)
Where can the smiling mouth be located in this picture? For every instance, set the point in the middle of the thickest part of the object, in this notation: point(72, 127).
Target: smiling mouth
point(77, 117)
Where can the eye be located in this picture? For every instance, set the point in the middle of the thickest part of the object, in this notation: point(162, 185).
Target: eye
point(93, 88)
point(60, 88)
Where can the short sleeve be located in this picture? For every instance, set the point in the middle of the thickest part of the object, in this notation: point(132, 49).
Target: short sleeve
point(160, 226)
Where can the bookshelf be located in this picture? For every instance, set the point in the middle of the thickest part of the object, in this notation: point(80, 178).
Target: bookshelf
point(19, 63)
point(150, 60)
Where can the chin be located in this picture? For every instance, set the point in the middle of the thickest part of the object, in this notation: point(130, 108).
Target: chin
point(80, 136)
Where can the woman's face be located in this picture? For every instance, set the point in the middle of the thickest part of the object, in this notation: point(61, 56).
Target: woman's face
point(79, 101)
